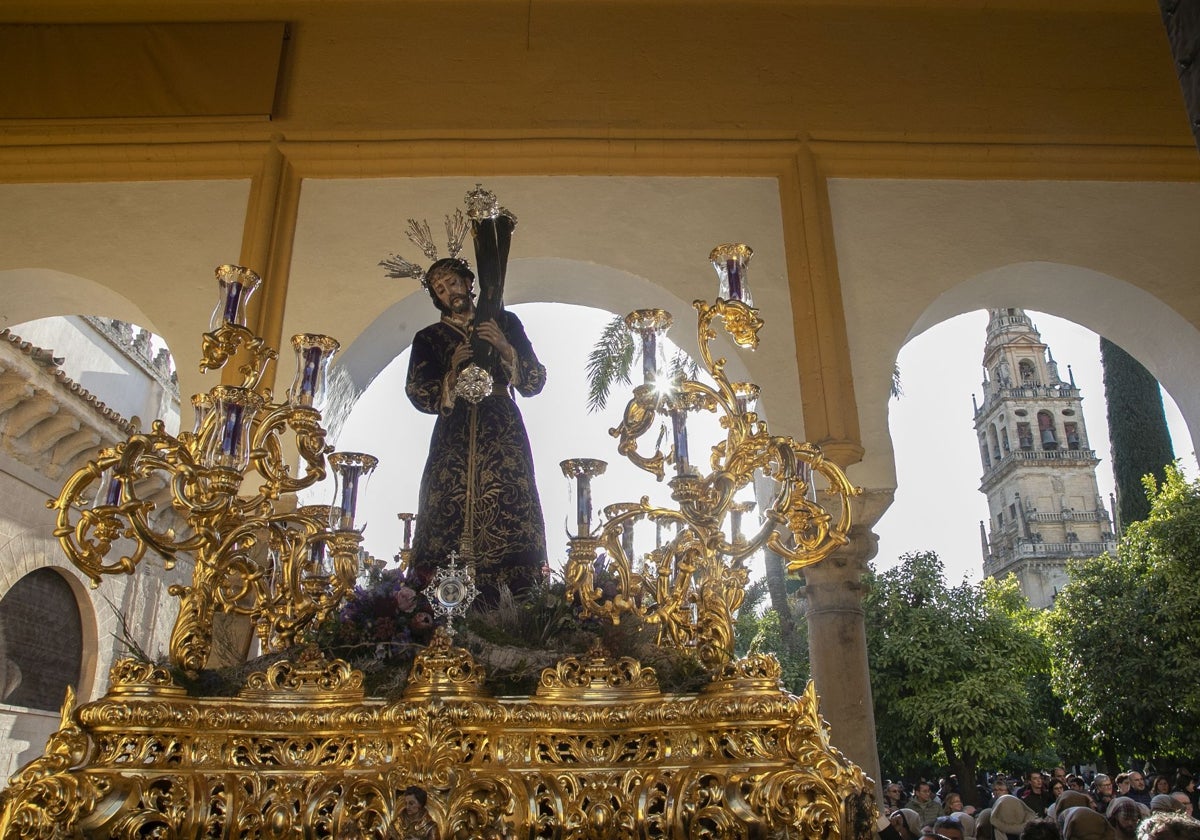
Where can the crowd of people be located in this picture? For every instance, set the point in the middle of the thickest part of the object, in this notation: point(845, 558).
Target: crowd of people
point(1046, 806)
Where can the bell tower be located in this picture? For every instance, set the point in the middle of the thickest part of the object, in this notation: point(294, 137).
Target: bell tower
point(1039, 470)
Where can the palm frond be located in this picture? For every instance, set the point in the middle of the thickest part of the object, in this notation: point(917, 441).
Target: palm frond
point(681, 364)
point(609, 362)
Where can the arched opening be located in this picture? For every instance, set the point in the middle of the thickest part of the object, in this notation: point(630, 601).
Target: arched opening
point(1027, 372)
point(41, 641)
point(938, 505)
point(384, 423)
point(1046, 430)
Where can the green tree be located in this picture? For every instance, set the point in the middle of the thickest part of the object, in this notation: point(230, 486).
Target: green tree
point(1123, 632)
point(950, 668)
point(1137, 430)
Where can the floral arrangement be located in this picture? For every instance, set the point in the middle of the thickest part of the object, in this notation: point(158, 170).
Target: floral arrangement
point(384, 620)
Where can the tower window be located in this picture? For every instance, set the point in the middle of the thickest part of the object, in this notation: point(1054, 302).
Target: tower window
point(1024, 436)
point(1027, 371)
point(1046, 428)
point(1004, 440)
point(1071, 432)
point(993, 442)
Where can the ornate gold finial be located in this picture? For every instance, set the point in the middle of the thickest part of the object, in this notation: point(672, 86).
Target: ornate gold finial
point(444, 670)
point(596, 678)
point(310, 675)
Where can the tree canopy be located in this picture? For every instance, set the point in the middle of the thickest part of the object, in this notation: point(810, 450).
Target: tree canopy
point(949, 666)
point(1123, 632)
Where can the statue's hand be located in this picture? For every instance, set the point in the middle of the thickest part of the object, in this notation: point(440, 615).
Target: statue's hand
point(461, 355)
point(490, 332)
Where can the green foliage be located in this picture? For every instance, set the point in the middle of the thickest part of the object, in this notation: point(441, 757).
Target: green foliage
point(769, 639)
point(745, 624)
point(611, 361)
point(1123, 632)
point(1137, 430)
point(949, 667)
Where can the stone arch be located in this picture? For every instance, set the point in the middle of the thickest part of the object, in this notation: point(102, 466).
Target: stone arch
point(545, 280)
point(32, 550)
point(31, 293)
point(1154, 333)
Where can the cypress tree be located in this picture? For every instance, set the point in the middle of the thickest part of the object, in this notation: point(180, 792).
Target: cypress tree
point(1137, 430)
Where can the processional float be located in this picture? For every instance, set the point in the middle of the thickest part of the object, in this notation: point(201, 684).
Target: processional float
point(598, 751)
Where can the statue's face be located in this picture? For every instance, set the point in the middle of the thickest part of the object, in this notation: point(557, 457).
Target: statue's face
point(412, 806)
point(453, 290)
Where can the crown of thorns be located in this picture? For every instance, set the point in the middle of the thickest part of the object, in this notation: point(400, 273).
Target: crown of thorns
point(481, 204)
point(418, 233)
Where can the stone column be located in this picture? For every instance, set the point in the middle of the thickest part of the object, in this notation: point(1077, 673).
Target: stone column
point(837, 639)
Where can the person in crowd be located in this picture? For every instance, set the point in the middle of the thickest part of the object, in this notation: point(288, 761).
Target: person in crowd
point(925, 803)
point(1075, 782)
point(1169, 827)
point(1057, 786)
point(1082, 823)
point(1008, 818)
point(968, 823)
point(1041, 830)
point(1067, 799)
point(1160, 784)
point(1121, 782)
point(906, 822)
point(1137, 788)
point(1124, 814)
point(1165, 803)
point(949, 826)
point(1035, 794)
point(1102, 792)
point(953, 804)
point(1184, 801)
point(1185, 783)
point(893, 797)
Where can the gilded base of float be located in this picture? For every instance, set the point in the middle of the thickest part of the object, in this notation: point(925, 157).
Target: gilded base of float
point(599, 752)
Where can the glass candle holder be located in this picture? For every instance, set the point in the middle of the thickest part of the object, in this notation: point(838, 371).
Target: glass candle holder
point(651, 325)
point(109, 491)
point(236, 284)
point(731, 261)
point(582, 470)
point(202, 406)
point(229, 444)
point(679, 438)
point(313, 353)
point(627, 541)
point(746, 394)
point(350, 472)
point(407, 519)
point(736, 512)
point(319, 561)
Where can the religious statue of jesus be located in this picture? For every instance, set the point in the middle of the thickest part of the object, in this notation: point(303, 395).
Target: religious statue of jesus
point(478, 494)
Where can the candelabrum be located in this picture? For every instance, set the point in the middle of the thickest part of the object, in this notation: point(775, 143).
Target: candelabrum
point(254, 552)
point(692, 585)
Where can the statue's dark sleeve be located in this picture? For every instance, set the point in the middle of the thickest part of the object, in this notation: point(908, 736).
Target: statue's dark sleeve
point(531, 374)
point(426, 374)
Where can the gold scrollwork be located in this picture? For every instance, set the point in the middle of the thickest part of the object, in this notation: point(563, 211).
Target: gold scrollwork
point(692, 586)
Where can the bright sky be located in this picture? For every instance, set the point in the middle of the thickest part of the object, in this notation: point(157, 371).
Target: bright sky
point(938, 504)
